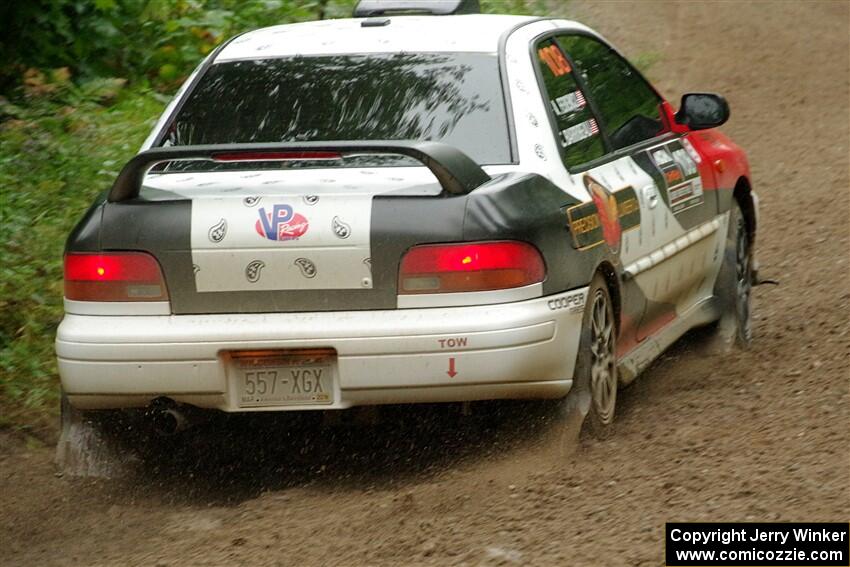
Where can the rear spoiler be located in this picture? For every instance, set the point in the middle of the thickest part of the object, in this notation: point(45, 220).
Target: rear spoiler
point(456, 172)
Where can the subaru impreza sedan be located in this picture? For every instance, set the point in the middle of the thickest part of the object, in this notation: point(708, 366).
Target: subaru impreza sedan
point(417, 204)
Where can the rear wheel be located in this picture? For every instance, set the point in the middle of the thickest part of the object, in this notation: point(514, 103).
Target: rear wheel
point(595, 375)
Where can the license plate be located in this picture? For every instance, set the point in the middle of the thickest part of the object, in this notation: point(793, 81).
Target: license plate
point(284, 378)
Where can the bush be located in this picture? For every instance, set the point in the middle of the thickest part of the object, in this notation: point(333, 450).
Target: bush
point(157, 40)
point(57, 151)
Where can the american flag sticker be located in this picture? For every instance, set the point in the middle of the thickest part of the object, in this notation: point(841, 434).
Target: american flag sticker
point(579, 132)
point(567, 103)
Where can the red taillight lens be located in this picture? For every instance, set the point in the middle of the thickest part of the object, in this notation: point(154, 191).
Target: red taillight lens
point(476, 266)
point(275, 156)
point(120, 276)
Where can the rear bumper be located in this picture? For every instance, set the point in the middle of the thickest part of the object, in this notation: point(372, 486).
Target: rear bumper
point(525, 349)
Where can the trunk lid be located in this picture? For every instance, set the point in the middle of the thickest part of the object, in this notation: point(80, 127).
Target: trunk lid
point(283, 240)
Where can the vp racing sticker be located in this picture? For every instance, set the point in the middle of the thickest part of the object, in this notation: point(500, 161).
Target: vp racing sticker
point(282, 223)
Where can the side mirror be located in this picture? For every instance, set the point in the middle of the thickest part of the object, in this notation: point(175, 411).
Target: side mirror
point(700, 111)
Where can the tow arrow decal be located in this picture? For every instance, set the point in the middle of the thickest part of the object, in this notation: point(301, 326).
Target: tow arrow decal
point(451, 371)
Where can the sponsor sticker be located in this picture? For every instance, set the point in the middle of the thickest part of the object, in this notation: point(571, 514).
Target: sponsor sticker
point(606, 209)
point(685, 162)
point(579, 132)
point(281, 223)
point(605, 217)
point(686, 196)
point(628, 209)
point(678, 168)
point(661, 157)
point(572, 302)
point(567, 103)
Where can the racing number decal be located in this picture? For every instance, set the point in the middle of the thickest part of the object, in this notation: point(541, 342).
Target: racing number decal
point(554, 59)
point(605, 217)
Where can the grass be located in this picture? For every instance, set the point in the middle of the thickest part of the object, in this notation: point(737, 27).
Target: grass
point(55, 157)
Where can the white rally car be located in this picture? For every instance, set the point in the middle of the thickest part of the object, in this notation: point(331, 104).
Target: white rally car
point(397, 208)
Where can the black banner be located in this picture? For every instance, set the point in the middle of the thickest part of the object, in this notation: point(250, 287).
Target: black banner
point(757, 544)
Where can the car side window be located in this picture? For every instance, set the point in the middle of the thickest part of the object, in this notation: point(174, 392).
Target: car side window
point(578, 133)
point(629, 109)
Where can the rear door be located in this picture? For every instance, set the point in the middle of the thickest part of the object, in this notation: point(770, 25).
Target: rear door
point(644, 187)
point(676, 251)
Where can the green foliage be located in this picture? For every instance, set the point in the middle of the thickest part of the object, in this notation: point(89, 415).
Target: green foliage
point(54, 158)
point(533, 7)
point(159, 41)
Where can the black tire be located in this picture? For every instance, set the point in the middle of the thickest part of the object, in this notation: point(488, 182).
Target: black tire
point(595, 376)
point(735, 283)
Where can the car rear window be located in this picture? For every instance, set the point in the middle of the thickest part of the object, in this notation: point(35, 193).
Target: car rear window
point(455, 98)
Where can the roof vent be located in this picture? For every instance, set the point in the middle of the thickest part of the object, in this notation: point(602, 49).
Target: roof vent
point(375, 22)
point(369, 8)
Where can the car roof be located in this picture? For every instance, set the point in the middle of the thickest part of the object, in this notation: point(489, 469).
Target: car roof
point(466, 33)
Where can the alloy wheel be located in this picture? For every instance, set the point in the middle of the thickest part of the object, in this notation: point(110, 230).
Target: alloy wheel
point(603, 367)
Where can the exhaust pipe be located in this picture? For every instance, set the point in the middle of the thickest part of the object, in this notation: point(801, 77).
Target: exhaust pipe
point(169, 421)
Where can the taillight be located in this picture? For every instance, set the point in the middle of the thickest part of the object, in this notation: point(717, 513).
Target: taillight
point(118, 276)
point(474, 266)
point(276, 156)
